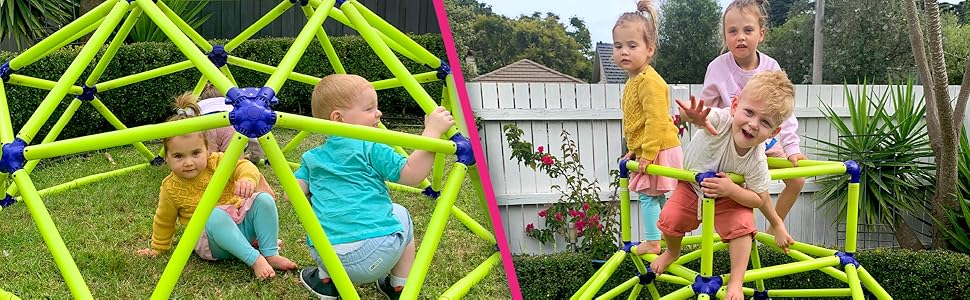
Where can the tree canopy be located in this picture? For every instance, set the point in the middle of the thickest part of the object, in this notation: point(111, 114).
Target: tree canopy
point(689, 39)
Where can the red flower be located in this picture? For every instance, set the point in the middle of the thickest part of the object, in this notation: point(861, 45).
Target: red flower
point(547, 160)
point(559, 216)
point(585, 206)
point(595, 219)
point(573, 213)
point(540, 149)
point(581, 215)
point(530, 227)
point(542, 213)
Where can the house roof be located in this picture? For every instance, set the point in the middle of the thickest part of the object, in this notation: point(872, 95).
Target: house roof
point(525, 70)
point(605, 70)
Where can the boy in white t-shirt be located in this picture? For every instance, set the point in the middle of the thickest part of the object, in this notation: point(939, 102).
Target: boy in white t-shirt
point(732, 142)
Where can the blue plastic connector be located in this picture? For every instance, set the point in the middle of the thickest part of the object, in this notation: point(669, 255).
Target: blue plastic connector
point(624, 173)
point(218, 55)
point(251, 114)
point(647, 278)
point(338, 3)
point(7, 201)
point(628, 246)
point(846, 258)
point(12, 158)
point(431, 193)
point(5, 71)
point(761, 295)
point(88, 92)
point(854, 170)
point(464, 152)
point(157, 161)
point(707, 285)
point(443, 70)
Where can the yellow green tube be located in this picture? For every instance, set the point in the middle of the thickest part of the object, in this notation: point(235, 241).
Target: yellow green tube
point(199, 86)
point(778, 174)
point(437, 171)
point(476, 183)
point(402, 188)
point(778, 163)
point(675, 269)
point(608, 268)
point(460, 288)
point(707, 245)
point(295, 141)
point(73, 38)
point(8, 295)
point(51, 136)
point(424, 56)
point(395, 83)
point(37, 83)
point(473, 225)
point(116, 42)
point(135, 78)
point(843, 292)
point(193, 230)
point(789, 268)
point(267, 69)
point(451, 90)
point(299, 46)
point(185, 45)
point(113, 120)
point(831, 271)
point(619, 289)
point(268, 18)
point(855, 286)
point(376, 135)
point(625, 209)
point(185, 27)
point(46, 45)
point(90, 179)
point(871, 284)
point(673, 279)
point(305, 214)
point(803, 247)
point(696, 254)
point(599, 272)
point(339, 16)
point(635, 293)
point(852, 218)
point(127, 136)
point(52, 238)
point(324, 40)
point(436, 228)
point(73, 72)
point(6, 127)
point(682, 293)
point(225, 71)
point(756, 264)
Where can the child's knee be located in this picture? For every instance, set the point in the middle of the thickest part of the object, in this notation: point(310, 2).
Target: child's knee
point(218, 217)
point(264, 201)
point(795, 183)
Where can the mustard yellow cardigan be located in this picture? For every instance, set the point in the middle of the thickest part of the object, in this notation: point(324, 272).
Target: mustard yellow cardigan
point(646, 115)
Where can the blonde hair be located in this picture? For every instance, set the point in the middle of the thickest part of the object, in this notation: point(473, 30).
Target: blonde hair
point(336, 91)
point(646, 14)
point(758, 7)
point(186, 106)
point(210, 91)
point(776, 90)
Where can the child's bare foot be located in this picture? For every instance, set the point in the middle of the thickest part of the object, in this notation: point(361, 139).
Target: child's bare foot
point(651, 247)
point(262, 269)
point(281, 263)
point(782, 238)
point(734, 291)
point(660, 264)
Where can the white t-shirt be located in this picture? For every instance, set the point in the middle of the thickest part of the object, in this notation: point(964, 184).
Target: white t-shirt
point(708, 152)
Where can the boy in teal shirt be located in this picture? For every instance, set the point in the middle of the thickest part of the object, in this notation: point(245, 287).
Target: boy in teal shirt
point(344, 179)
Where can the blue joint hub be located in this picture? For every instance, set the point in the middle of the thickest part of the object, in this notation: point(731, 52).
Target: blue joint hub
point(628, 246)
point(251, 114)
point(88, 92)
point(302, 2)
point(707, 285)
point(7, 201)
point(624, 173)
point(431, 193)
point(761, 295)
point(464, 152)
point(5, 71)
point(218, 55)
point(854, 170)
point(158, 161)
point(846, 258)
point(647, 278)
point(443, 70)
point(12, 158)
point(338, 3)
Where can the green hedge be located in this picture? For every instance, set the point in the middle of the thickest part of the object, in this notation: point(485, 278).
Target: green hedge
point(150, 102)
point(904, 274)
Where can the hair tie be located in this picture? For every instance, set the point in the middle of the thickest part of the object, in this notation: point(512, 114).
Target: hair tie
point(185, 111)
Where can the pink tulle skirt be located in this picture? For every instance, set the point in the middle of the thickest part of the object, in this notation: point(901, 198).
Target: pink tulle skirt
point(653, 185)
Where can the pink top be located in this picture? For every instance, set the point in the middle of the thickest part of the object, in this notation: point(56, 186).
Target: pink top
point(724, 79)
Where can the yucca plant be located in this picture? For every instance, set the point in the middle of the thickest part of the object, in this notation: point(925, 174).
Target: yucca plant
point(189, 10)
point(26, 21)
point(892, 149)
point(959, 237)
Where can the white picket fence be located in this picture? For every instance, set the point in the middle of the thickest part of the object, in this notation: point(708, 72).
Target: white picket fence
point(591, 114)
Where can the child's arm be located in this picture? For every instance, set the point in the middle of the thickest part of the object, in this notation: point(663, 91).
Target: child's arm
point(782, 237)
point(419, 163)
point(722, 186)
point(246, 175)
point(696, 113)
point(790, 141)
point(163, 226)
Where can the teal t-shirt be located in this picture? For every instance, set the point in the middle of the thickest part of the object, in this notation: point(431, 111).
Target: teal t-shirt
point(347, 190)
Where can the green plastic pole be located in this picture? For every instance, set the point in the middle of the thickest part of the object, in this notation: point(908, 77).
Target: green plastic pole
point(854, 284)
point(225, 71)
point(127, 136)
point(52, 238)
point(659, 170)
point(599, 272)
point(778, 174)
point(185, 45)
point(395, 83)
point(6, 127)
point(73, 38)
point(625, 226)
point(675, 269)
point(831, 271)
point(299, 46)
point(609, 268)
point(461, 287)
point(682, 293)
point(116, 42)
point(199, 86)
point(696, 240)
point(185, 27)
point(324, 40)
point(262, 22)
point(193, 230)
point(756, 264)
point(8, 295)
point(267, 69)
point(473, 226)
point(696, 254)
point(150, 74)
point(37, 83)
point(51, 136)
point(376, 135)
point(437, 171)
point(778, 163)
point(843, 292)
point(789, 268)
point(295, 141)
point(338, 15)
point(402, 188)
point(46, 45)
point(707, 246)
point(673, 279)
point(456, 110)
point(436, 228)
point(476, 183)
point(623, 287)
point(301, 205)
point(871, 284)
point(90, 179)
point(803, 247)
point(113, 120)
point(852, 218)
point(73, 72)
point(424, 56)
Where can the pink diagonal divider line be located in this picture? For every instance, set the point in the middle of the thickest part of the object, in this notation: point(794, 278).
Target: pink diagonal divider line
point(455, 64)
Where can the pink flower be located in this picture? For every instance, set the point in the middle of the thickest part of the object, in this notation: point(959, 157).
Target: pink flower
point(540, 149)
point(559, 216)
point(594, 219)
point(530, 227)
point(547, 160)
point(573, 213)
point(542, 213)
point(585, 206)
point(600, 226)
point(580, 225)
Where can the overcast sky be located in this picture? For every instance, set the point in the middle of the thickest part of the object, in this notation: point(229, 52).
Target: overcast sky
point(599, 15)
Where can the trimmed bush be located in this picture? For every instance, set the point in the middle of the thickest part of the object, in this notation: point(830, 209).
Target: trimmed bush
point(905, 274)
point(150, 101)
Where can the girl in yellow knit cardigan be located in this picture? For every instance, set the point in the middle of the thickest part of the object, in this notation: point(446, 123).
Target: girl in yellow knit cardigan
point(651, 135)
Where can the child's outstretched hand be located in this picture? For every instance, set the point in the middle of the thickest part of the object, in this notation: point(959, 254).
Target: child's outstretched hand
point(437, 122)
point(147, 252)
point(794, 158)
point(245, 188)
point(696, 113)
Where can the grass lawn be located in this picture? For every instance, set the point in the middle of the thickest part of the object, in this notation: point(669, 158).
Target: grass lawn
point(104, 223)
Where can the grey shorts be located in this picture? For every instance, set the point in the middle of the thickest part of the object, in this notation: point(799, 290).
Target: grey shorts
point(376, 256)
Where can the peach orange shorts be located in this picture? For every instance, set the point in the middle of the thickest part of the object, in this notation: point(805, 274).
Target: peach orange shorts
point(679, 216)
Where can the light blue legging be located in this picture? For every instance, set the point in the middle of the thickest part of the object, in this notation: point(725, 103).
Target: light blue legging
point(650, 212)
point(261, 223)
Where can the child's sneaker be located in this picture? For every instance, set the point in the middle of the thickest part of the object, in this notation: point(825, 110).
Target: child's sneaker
point(384, 285)
point(310, 278)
